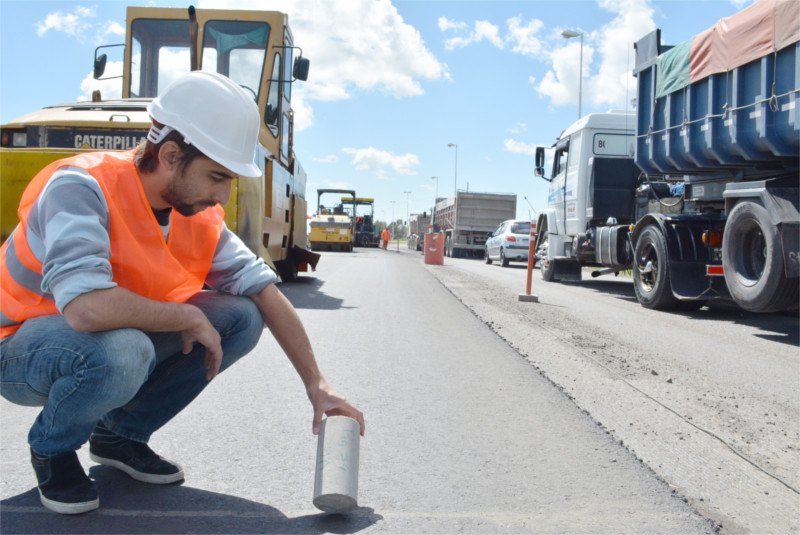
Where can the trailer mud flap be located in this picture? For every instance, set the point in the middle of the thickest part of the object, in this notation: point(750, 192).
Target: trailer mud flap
point(566, 270)
point(689, 281)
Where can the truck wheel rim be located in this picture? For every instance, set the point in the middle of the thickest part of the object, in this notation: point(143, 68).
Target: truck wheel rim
point(749, 265)
point(648, 267)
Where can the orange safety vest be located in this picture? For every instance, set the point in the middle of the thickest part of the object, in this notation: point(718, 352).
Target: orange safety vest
point(141, 260)
point(386, 235)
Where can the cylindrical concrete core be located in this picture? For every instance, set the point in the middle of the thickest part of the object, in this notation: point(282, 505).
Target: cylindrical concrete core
point(336, 479)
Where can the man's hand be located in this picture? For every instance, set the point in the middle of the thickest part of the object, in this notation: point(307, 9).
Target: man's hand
point(202, 332)
point(326, 400)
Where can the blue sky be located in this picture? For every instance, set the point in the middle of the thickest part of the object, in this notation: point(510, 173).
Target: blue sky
point(392, 83)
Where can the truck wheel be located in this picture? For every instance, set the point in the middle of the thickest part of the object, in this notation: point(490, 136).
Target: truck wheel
point(546, 266)
point(651, 270)
point(503, 259)
point(486, 256)
point(288, 269)
point(752, 259)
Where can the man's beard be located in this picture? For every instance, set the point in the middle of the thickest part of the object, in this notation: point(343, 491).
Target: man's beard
point(189, 210)
point(183, 208)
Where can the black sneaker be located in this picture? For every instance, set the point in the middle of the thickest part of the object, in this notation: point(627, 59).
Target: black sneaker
point(134, 458)
point(63, 485)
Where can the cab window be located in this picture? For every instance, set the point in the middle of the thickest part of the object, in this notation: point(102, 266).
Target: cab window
point(272, 113)
point(236, 49)
point(560, 160)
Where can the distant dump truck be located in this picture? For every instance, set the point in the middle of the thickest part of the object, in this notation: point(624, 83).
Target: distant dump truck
point(697, 191)
point(417, 228)
point(255, 49)
point(467, 218)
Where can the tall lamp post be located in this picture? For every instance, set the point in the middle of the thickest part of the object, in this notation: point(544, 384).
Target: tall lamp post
point(569, 34)
point(408, 223)
point(435, 200)
point(455, 188)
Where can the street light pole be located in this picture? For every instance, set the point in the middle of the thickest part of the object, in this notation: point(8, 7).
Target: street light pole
point(435, 200)
point(455, 188)
point(408, 223)
point(569, 34)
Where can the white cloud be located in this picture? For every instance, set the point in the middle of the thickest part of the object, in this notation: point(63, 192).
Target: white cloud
point(377, 161)
point(447, 24)
point(610, 48)
point(612, 85)
point(523, 37)
point(518, 128)
point(483, 29)
point(561, 83)
point(74, 23)
point(327, 159)
point(353, 45)
point(519, 147)
point(112, 28)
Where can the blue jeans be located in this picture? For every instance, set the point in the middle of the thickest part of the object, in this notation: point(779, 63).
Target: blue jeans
point(134, 382)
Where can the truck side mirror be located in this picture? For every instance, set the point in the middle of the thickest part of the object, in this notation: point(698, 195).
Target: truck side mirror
point(100, 66)
point(539, 169)
point(300, 69)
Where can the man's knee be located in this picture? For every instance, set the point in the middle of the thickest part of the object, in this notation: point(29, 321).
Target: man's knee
point(243, 333)
point(121, 363)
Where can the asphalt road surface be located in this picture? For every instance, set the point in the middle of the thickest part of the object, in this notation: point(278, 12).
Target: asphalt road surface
point(468, 430)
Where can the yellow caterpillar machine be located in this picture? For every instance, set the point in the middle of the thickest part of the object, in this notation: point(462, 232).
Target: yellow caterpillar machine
point(253, 48)
point(333, 228)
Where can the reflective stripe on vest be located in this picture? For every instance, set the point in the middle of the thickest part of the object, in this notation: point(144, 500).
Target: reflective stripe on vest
point(141, 261)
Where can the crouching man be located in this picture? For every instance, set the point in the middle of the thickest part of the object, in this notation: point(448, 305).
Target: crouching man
point(105, 320)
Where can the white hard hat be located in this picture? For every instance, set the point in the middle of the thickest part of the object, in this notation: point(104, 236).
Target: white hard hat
point(215, 115)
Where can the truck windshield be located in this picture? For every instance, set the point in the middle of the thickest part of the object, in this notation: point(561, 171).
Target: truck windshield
point(160, 53)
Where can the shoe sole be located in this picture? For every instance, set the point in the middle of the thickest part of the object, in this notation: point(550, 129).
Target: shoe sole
point(69, 508)
point(156, 479)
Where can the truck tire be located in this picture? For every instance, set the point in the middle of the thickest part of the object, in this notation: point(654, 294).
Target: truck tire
point(546, 267)
point(651, 270)
point(752, 259)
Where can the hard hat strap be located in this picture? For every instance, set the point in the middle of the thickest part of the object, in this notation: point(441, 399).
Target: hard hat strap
point(156, 135)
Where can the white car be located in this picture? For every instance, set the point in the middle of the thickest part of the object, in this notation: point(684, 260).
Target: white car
point(509, 243)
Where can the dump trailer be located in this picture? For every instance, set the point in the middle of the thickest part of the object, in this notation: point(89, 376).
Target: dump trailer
point(253, 48)
point(333, 227)
point(417, 228)
point(364, 210)
point(466, 218)
point(697, 190)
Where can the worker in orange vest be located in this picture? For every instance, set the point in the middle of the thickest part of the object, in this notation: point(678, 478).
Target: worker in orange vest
point(386, 235)
point(105, 320)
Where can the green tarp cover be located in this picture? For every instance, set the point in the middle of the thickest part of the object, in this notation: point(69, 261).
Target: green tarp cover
point(673, 69)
